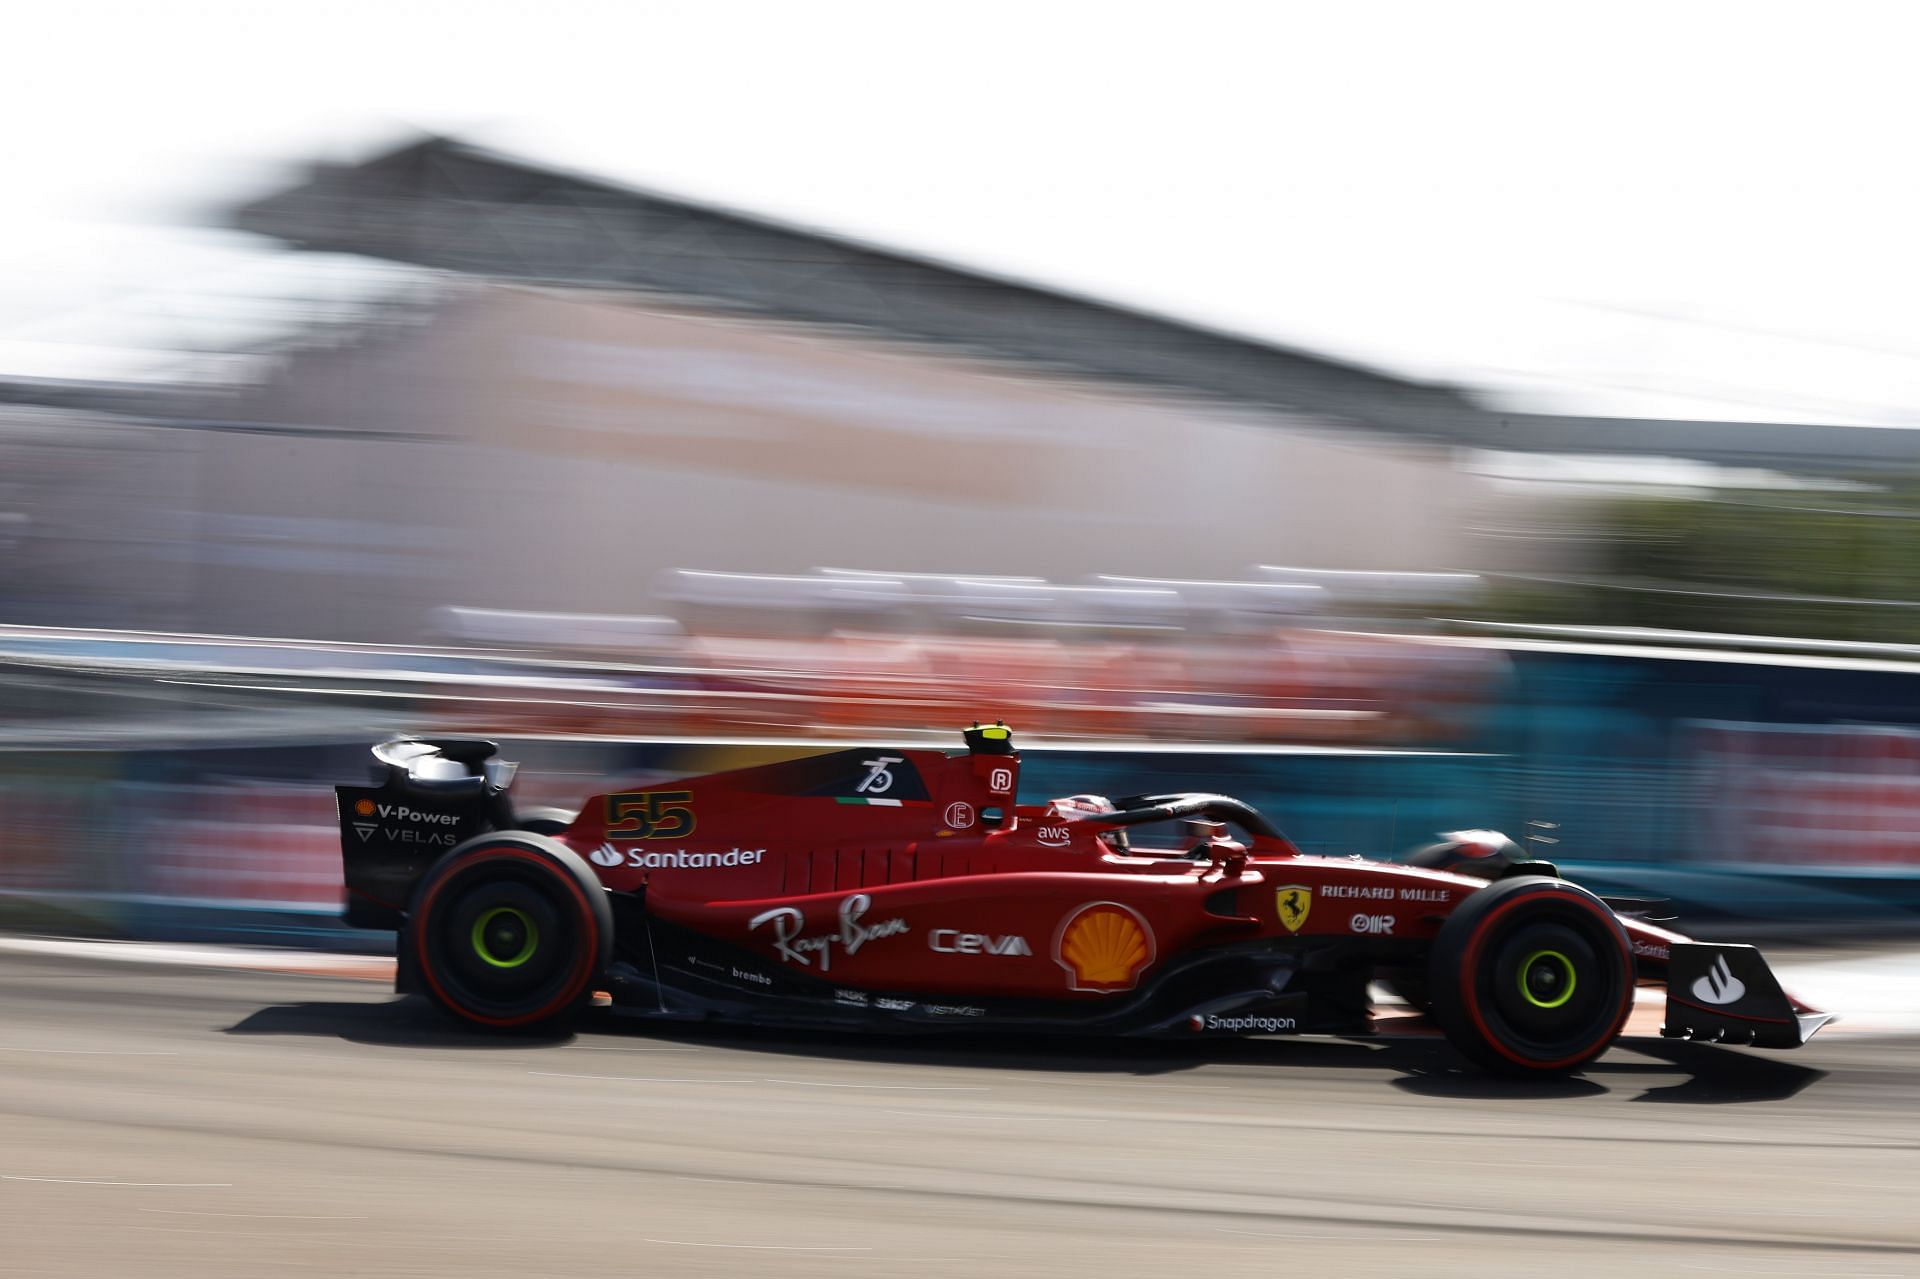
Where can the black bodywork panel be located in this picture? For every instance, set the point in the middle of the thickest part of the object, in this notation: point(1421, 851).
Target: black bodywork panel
point(390, 837)
point(661, 970)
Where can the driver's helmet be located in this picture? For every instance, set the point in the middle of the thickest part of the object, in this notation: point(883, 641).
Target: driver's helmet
point(1079, 807)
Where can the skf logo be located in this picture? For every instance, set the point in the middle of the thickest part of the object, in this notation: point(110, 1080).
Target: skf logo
point(1104, 946)
point(1293, 901)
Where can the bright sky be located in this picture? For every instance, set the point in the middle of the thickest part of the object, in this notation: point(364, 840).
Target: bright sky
point(1693, 209)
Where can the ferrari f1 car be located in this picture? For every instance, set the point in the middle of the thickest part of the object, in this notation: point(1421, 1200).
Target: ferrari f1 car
point(896, 889)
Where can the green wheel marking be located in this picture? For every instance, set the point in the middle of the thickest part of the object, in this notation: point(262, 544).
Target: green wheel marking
point(1559, 961)
point(482, 949)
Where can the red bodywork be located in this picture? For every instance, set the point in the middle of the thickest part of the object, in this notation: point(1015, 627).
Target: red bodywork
point(898, 879)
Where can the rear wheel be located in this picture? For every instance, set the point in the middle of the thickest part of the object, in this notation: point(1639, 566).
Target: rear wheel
point(1531, 976)
point(543, 821)
point(509, 931)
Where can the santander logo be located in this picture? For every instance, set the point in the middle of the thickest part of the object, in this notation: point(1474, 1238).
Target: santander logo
point(1719, 985)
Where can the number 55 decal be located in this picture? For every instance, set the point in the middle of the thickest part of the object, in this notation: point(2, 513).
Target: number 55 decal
point(655, 814)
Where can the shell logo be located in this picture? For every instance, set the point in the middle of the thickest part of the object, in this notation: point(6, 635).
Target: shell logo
point(1104, 946)
point(363, 807)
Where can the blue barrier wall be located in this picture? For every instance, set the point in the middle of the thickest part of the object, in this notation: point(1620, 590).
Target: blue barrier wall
point(1606, 747)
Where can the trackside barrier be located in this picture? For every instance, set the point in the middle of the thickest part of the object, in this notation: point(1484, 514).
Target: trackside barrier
point(1756, 792)
point(241, 841)
point(220, 854)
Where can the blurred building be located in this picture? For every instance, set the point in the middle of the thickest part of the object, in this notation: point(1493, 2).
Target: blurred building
point(585, 385)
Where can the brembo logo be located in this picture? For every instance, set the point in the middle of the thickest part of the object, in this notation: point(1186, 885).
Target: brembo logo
point(1719, 985)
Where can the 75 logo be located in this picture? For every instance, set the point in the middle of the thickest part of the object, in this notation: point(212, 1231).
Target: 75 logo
point(652, 814)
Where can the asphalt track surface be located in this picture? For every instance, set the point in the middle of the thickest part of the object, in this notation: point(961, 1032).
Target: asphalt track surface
point(161, 1121)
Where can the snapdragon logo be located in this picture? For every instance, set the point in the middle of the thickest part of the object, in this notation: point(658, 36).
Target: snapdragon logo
point(1241, 1025)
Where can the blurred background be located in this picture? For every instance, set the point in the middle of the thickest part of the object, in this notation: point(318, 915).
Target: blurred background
point(1451, 432)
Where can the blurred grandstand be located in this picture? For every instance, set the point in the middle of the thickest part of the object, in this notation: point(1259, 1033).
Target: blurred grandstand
point(518, 451)
point(545, 417)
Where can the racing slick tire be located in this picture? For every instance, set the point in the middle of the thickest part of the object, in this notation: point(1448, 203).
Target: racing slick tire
point(543, 821)
point(1531, 976)
point(508, 932)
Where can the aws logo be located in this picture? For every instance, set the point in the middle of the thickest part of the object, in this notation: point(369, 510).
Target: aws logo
point(1104, 947)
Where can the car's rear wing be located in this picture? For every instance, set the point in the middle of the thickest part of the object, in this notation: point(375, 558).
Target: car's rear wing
point(430, 794)
point(1726, 994)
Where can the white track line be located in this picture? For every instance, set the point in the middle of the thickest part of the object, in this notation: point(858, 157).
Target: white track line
point(137, 952)
point(640, 1079)
point(753, 1247)
point(152, 1185)
point(814, 1083)
point(250, 1216)
point(974, 1118)
point(88, 1052)
point(1872, 994)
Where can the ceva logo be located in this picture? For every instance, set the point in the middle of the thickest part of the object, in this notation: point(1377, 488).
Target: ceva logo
point(1719, 985)
point(949, 941)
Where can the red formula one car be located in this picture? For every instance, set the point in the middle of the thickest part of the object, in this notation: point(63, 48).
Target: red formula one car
point(905, 889)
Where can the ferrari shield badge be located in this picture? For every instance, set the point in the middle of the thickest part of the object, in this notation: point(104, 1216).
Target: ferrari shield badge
point(1294, 901)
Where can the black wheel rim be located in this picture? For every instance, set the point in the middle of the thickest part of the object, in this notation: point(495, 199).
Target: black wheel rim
point(1546, 986)
point(503, 939)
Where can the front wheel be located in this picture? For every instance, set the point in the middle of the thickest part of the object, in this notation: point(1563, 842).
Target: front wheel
point(1531, 976)
point(508, 931)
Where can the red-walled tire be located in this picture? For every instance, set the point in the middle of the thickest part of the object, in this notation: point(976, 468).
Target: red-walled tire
point(509, 931)
point(1531, 976)
point(543, 821)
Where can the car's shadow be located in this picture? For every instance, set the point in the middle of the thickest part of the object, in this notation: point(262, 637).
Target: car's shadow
point(409, 1022)
point(1425, 1066)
